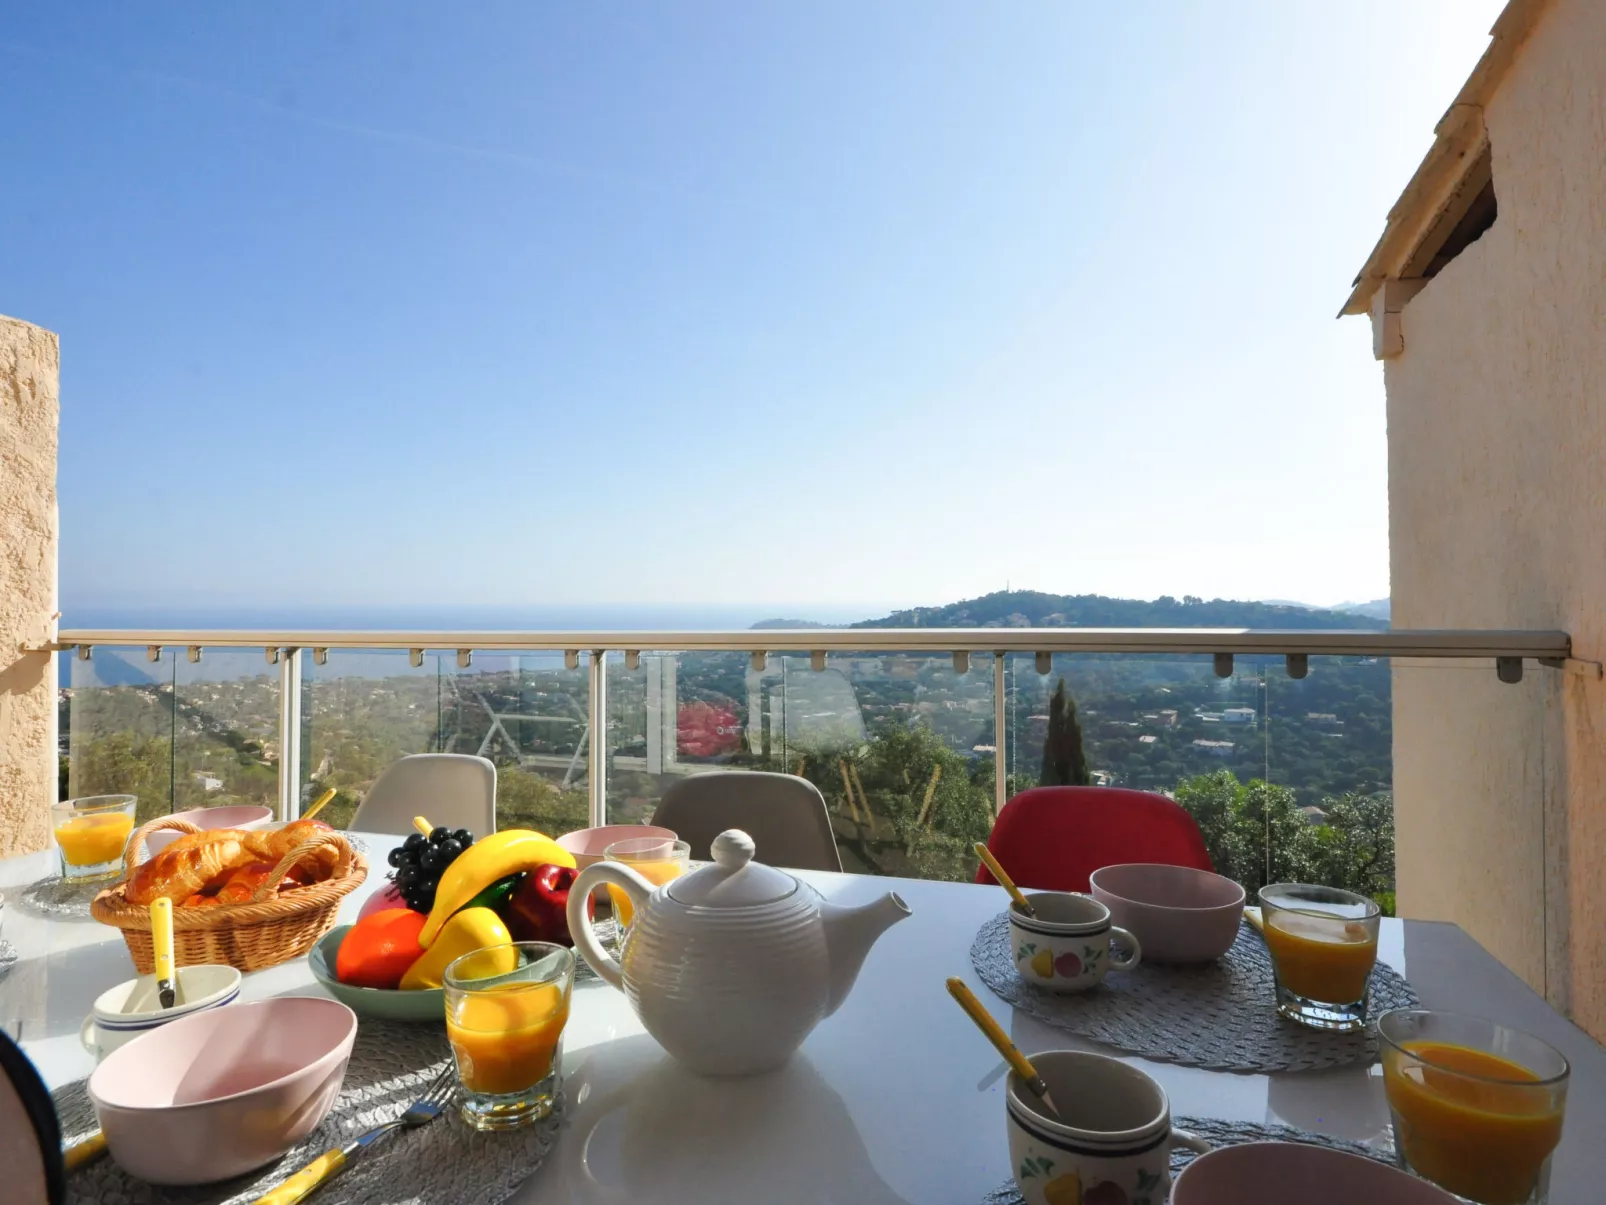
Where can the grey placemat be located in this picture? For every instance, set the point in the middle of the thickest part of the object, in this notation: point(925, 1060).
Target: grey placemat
point(56, 898)
point(391, 1064)
point(1226, 1133)
point(1219, 1016)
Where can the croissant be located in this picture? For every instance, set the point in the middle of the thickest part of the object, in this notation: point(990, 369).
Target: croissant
point(186, 866)
point(192, 863)
point(243, 883)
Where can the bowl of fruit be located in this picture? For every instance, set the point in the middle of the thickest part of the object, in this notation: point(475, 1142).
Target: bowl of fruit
point(447, 894)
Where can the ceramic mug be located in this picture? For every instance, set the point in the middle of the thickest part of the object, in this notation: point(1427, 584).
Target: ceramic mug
point(1111, 1141)
point(1070, 944)
point(132, 1007)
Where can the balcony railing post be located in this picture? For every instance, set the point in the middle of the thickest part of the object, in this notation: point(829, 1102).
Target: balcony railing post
point(290, 734)
point(597, 766)
point(1000, 763)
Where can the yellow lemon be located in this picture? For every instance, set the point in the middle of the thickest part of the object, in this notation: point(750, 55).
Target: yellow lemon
point(1065, 1190)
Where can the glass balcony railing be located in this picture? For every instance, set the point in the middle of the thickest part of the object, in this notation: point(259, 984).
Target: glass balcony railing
point(1287, 759)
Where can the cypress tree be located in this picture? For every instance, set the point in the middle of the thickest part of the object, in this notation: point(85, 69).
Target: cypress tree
point(1064, 761)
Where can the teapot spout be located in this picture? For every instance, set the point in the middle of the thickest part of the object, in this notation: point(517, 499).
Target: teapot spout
point(849, 934)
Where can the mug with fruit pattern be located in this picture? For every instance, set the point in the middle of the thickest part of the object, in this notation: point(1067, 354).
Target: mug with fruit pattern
point(1070, 944)
point(1109, 1144)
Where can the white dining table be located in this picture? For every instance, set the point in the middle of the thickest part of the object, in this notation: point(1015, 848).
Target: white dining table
point(895, 1098)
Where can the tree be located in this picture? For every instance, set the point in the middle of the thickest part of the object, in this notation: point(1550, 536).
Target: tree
point(1064, 761)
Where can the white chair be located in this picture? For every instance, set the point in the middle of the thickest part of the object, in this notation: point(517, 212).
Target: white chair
point(785, 815)
point(450, 790)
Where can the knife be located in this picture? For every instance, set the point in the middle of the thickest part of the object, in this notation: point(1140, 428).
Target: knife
point(162, 941)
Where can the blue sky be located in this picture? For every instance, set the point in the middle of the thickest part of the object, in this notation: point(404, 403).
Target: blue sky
point(824, 304)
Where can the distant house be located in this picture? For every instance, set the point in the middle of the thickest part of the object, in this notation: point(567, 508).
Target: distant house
point(1168, 716)
point(1215, 748)
point(1147, 738)
point(1314, 814)
point(208, 782)
point(1238, 715)
point(1323, 719)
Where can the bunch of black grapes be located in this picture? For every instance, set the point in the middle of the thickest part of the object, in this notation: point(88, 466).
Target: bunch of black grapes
point(420, 860)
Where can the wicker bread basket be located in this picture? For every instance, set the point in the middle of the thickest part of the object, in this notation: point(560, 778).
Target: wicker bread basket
point(273, 928)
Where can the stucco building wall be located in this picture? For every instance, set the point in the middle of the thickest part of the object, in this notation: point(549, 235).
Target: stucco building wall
point(1497, 518)
point(29, 359)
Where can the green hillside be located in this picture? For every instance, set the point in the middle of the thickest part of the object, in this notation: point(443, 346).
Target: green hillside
point(1034, 609)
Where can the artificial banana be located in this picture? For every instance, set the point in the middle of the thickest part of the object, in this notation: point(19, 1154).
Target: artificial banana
point(483, 863)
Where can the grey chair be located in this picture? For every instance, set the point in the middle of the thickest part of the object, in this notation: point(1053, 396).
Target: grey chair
point(785, 815)
point(450, 790)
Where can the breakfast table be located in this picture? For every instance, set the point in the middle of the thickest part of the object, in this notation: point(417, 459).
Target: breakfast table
point(895, 1098)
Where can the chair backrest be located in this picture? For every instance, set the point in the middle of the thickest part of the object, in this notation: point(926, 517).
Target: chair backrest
point(451, 790)
point(785, 815)
point(1053, 838)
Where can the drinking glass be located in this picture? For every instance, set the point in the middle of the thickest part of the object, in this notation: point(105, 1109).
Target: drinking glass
point(658, 859)
point(1323, 945)
point(506, 1007)
point(1477, 1107)
point(91, 834)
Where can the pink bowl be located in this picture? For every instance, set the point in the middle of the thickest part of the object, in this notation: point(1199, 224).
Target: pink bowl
point(1276, 1173)
point(239, 815)
point(1178, 913)
point(216, 1094)
point(587, 844)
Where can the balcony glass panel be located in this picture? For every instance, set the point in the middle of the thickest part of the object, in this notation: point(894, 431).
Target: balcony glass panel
point(524, 711)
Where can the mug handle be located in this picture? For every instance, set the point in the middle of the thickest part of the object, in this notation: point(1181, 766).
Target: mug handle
point(84, 1036)
point(1190, 1140)
point(586, 944)
point(1123, 937)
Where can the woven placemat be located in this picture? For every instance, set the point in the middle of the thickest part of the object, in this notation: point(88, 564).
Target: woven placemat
point(391, 1064)
point(1225, 1133)
point(56, 898)
point(1219, 1016)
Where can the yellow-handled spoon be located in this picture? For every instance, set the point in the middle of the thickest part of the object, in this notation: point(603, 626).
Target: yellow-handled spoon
point(1000, 1040)
point(319, 804)
point(162, 951)
point(423, 826)
point(1004, 881)
point(82, 1151)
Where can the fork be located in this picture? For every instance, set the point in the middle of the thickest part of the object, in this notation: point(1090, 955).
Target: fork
point(329, 1165)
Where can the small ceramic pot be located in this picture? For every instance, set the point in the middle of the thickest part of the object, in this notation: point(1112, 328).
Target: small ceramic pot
point(1070, 944)
point(1111, 1141)
point(132, 1008)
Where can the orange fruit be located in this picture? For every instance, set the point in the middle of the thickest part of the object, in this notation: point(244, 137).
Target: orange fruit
point(379, 948)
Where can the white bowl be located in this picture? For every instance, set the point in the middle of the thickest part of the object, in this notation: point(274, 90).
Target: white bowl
point(219, 1093)
point(588, 844)
point(1179, 914)
point(132, 1008)
point(236, 815)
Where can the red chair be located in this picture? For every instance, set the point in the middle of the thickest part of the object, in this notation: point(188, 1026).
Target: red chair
point(1053, 838)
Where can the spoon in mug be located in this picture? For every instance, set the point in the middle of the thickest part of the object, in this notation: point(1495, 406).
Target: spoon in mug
point(1000, 1040)
point(1004, 881)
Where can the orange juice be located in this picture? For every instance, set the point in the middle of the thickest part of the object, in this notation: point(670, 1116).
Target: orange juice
point(1481, 1139)
point(504, 1038)
point(92, 839)
point(664, 870)
point(1324, 958)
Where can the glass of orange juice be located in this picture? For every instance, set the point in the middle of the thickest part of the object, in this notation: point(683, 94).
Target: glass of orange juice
point(1323, 945)
point(1477, 1107)
point(506, 1007)
point(91, 834)
point(658, 859)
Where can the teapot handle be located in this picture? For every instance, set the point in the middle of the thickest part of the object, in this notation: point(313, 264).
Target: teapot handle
point(585, 937)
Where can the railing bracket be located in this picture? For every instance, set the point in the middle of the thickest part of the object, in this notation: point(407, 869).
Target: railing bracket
point(1223, 665)
point(272, 655)
point(1298, 665)
point(1509, 669)
point(153, 652)
point(1044, 663)
point(83, 651)
point(632, 659)
point(758, 660)
point(961, 661)
point(195, 654)
point(415, 657)
point(817, 659)
point(464, 658)
point(320, 655)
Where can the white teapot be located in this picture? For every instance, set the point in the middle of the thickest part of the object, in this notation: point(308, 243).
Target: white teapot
point(731, 966)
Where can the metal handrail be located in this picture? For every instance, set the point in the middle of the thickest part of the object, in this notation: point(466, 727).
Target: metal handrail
point(1452, 643)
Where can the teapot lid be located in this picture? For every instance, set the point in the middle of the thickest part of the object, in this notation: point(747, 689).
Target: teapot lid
point(734, 880)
